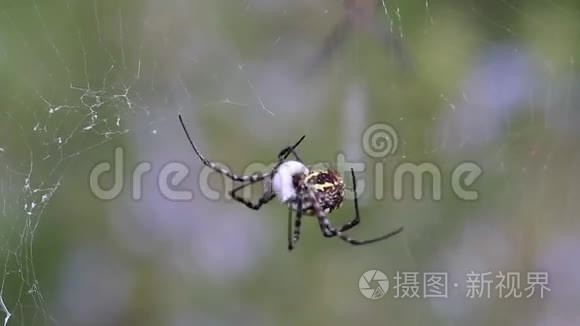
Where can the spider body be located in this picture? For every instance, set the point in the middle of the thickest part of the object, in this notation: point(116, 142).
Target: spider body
point(328, 187)
point(305, 192)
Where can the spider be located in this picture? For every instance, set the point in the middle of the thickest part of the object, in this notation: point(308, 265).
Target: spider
point(361, 15)
point(306, 192)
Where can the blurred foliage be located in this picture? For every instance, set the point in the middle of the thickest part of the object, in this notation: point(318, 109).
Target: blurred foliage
point(124, 69)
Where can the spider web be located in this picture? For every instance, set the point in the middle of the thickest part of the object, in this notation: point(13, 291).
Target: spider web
point(80, 78)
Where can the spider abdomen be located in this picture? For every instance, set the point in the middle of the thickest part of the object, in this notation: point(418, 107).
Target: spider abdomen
point(328, 186)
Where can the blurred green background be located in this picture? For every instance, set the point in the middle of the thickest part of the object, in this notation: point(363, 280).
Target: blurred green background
point(490, 82)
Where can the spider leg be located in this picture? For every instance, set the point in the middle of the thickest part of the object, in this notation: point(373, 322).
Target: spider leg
point(323, 222)
point(356, 220)
point(290, 242)
point(297, 225)
point(268, 195)
point(290, 150)
point(295, 236)
point(245, 178)
point(329, 231)
point(264, 199)
point(286, 152)
point(356, 242)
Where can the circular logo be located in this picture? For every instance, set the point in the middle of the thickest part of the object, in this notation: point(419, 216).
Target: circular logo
point(370, 276)
point(380, 140)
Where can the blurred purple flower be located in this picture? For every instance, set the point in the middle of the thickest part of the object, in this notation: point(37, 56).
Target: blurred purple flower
point(499, 86)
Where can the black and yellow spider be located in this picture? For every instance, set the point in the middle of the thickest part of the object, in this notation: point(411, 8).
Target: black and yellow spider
point(305, 192)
